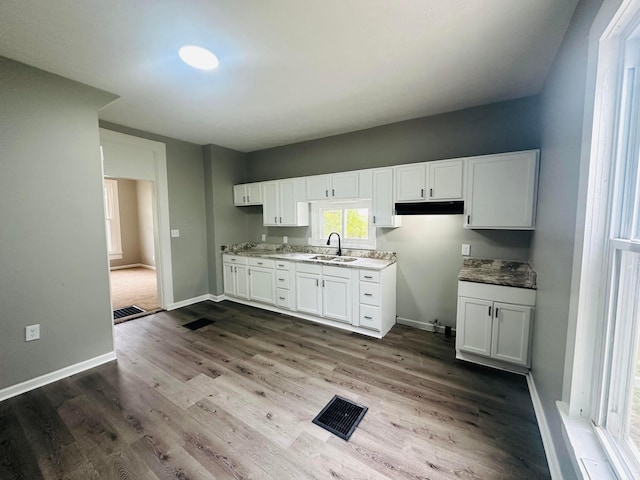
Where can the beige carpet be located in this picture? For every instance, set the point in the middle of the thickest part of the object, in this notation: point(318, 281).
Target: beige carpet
point(134, 286)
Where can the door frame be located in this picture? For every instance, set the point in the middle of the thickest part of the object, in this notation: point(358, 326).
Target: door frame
point(126, 156)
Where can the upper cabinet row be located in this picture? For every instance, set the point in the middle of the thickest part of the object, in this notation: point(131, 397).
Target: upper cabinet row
point(499, 191)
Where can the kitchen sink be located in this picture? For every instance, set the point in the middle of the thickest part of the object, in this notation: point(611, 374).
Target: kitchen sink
point(333, 258)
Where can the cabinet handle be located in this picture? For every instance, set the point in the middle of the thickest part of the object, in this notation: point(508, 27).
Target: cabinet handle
point(244, 199)
point(497, 312)
point(281, 298)
point(280, 219)
point(326, 193)
point(322, 283)
point(368, 294)
point(431, 193)
point(248, 199)
point(368, 276)
point(333, 192)
point(281, 279)
point(374, 219)
point(422, 193)
point(317, 284)
point(259, 263)
point(275, 219)
point(468, 219)
point(249, 272)
point(368, 317)
point(280, 265)
point(232, 259)
point(489, 311)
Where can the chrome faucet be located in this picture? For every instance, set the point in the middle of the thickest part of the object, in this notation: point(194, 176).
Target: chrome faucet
point(329, 242)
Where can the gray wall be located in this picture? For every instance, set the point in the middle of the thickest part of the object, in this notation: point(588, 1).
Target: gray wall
point(185, 172)
point(562, 105)
point(226, 224)
point(144, 194)
point(428, 247)
point(129, 224)
point(53, 252)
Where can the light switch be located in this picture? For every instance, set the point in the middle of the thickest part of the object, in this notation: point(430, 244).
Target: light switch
point(285, 239)
point(175, 233)
point(466, 249)
point(264, 237)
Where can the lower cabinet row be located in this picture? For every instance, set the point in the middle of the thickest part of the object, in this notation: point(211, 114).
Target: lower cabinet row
point(358, 299)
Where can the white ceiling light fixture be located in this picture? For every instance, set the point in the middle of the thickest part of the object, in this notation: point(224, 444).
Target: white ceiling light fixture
point(198, 57)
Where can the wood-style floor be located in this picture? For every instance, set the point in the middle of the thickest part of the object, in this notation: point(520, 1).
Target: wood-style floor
point(236, 399)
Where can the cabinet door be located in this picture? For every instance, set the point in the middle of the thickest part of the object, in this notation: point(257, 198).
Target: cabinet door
point(318, 187)
point(254, 193)
point(473, 327)
point(336, 299)
point(502, 191)
point(242, 290)
point(344, 185)
point(270, 208)
point(262, 285)
point(228, 276)
point(511, 330)
point(411, 182)
point(239, 194)
point(308, 293)
point(288, 205)
point(445, 180)
point(383, 208)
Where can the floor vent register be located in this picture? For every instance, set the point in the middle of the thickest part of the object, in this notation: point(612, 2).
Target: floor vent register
point(340, 416)
point(199, 323)
point(127, 312)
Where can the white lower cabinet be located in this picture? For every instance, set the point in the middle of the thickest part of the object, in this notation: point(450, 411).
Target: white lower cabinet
point(309, 293)
point(249, 278)
point(324, 291)
point(494, 325)
point(235, 276)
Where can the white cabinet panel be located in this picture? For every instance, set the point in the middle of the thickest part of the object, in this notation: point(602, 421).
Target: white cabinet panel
point(318, 187)
point(308, 293)
point(510, 335)
point(336, 299)
point(370, 317)
point(473, 332)
point(262, 285)
point(247, 194)
point(383, 206)
point(446, 180)
point(228, 278)
point(501, 191)
point(411, 182)
point(270, 207)
point(242, 287)
point(344, 185)
point(284, 204)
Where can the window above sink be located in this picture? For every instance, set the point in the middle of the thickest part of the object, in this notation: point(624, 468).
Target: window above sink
point(352, 220)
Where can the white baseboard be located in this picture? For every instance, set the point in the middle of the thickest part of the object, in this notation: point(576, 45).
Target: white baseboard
point(429, 327)
point(133, 265)
point(48, 378)
point(545, 433)
point(188, 301)
point(217, 298)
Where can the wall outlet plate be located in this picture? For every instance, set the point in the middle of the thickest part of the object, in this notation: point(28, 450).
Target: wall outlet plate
point(285, 239)
point(466, 249)
point(175, 233)
point(31, 332)
point(264, 237)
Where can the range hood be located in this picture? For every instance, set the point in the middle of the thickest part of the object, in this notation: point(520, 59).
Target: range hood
point(430, 208)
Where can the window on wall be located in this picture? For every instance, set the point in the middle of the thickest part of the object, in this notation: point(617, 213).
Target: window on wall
point(112, 218)
point(352, 220)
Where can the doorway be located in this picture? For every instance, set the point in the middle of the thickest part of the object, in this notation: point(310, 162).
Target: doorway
point(140, 264)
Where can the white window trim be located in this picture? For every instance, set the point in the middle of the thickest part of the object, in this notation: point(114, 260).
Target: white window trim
point(317, 234)
point(586, 349)
point(112, 217)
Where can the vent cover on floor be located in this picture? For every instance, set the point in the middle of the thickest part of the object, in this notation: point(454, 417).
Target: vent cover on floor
point(340, 416)
point(127, 311)
point(196, 324)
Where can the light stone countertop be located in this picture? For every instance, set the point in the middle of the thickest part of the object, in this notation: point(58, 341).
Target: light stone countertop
point(368, 259)
point(498, 272)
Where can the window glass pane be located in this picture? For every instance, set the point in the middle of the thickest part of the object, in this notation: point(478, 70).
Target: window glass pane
point(357, 223)
point(332, 221)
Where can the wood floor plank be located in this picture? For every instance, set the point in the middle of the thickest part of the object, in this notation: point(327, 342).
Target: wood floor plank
point(235, 400)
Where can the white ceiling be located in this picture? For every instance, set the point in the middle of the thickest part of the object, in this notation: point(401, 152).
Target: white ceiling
point(290, 70)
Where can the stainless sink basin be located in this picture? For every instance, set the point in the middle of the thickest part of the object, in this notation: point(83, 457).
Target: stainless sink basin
point(333, 258)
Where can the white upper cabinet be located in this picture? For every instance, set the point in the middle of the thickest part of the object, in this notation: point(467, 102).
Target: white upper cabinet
point(284, 203)
point(333, 187)
point(502, 191)
point(446, 180)
point(411, 182)
point(247, 194)
point(382, 202)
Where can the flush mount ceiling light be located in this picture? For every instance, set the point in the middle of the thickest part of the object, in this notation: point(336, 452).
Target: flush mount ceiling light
point(198, 57)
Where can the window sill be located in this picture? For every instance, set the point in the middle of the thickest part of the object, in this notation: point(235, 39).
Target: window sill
point(587, 454)
point(115, 256)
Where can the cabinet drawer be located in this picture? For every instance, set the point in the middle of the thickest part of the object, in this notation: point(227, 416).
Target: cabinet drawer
point(283, 279)
point(283, 298)
point(370, 317)
point(370, 276)
point(309, 268)
point(261, 262)
point(238, 260)
point(369, 293)
point(284, 265)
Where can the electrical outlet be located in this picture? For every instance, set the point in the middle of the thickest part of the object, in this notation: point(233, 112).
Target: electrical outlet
point(285, 239)
point(264, 237)
point(32, 332)
point(175, 233)
point(466, 249)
